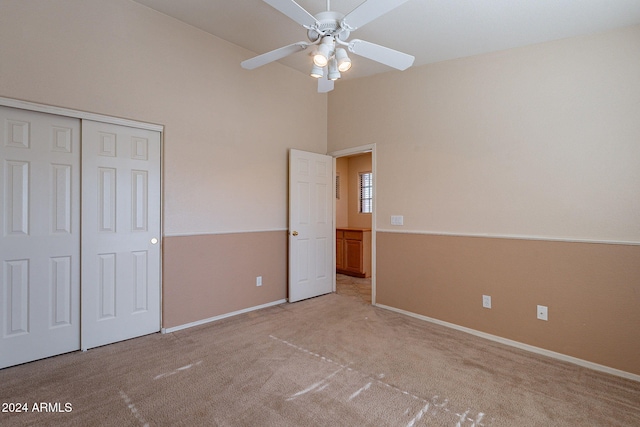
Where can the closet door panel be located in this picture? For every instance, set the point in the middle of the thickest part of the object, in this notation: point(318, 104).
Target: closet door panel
point(120, 233)
point(40, 235)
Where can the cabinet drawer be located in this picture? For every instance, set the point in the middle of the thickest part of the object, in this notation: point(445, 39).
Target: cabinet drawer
point(339, 234)
point(353, 235)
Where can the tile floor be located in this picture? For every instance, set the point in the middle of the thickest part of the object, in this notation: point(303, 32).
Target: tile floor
point(354, 287)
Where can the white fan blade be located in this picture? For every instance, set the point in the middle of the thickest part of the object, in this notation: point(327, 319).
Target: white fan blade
point(368, 11)
point(294, 11)
point(274, 55)
point(325, 85)
point(384, 55)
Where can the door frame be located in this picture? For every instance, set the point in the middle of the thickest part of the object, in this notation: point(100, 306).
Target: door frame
point(362, 149)
point(84, 115)
point(77, 114)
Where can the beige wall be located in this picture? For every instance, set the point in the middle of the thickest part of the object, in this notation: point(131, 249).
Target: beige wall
point(347, 209)
point(357, 165)
point(538, 144)
point(227, 130)
point(342, 204)
point(539, 141)
point(591, 290)
point(223, 268)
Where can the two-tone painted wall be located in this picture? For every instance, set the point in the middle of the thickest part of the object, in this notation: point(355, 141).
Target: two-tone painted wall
point(348, 212)
point(518, 176)
point(226, 139)
point(516, 172)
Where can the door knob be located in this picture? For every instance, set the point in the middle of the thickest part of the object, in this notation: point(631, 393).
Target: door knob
point(154, 241)
point(295, 233)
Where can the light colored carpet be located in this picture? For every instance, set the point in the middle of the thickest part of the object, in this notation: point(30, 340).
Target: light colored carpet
point(327, 361)
point(354, 287)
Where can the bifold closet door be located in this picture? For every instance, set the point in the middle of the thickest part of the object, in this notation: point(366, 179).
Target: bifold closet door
point(120, 233)
point(40, 236)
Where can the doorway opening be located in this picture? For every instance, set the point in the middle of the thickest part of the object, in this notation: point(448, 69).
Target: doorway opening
point(354, 221)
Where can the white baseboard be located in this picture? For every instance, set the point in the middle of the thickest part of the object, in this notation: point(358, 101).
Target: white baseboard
point(222, 316)
point(522, 346)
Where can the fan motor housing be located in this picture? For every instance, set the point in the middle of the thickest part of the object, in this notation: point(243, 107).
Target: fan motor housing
point(328, 24)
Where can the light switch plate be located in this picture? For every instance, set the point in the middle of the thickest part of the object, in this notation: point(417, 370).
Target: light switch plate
point(397, 220)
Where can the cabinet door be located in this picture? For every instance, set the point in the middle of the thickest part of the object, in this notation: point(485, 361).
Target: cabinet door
point(353, 249)
point(339, 253)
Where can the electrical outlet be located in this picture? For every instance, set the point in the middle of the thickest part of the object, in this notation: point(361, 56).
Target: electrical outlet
point(543, 313)
point(486, 301)
point(259, 281)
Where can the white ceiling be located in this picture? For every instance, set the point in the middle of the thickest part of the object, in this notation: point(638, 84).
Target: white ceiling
point(430, 30)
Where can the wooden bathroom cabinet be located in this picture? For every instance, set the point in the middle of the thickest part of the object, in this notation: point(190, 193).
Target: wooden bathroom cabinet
point(353, 251)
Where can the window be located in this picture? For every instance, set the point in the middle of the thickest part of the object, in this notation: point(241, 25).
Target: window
point(366, 192)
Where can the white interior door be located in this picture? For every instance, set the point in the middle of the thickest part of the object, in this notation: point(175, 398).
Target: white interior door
point(311, 231)
point(40, 238)
point(120, 233)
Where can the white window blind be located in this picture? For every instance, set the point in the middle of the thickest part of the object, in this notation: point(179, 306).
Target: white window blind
point(366, 192)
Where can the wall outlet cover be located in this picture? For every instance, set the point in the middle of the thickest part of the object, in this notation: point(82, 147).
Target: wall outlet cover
point(543, 312)
point(486, 301)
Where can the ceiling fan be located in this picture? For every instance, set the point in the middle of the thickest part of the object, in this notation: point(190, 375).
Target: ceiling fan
point(328, 32)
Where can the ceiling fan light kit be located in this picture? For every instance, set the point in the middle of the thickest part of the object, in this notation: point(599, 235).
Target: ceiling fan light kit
point(334, 74)
point(327, 30)
point(317, 72)
point(324, 52)
point(344, 62)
